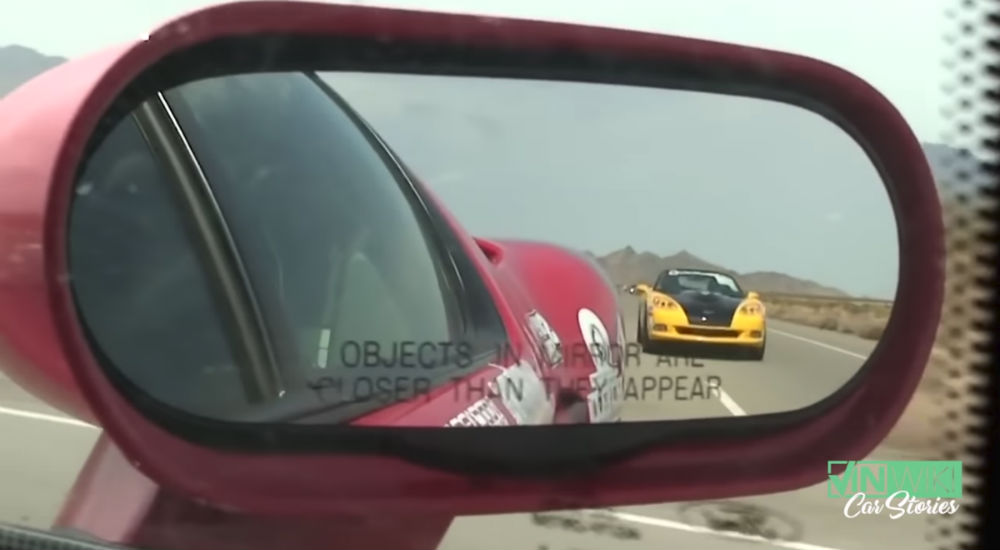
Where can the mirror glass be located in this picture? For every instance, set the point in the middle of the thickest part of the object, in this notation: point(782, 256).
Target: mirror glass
point(308, 257)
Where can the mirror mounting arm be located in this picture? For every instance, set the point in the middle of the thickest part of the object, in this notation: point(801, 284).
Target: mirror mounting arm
point(98, 488)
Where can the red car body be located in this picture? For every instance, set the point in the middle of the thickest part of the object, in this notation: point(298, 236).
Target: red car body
point(269, 500)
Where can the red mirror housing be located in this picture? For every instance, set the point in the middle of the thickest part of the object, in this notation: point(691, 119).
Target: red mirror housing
point(48, 122)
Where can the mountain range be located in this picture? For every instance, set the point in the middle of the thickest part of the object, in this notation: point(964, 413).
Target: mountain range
point(18, 64)
point(627, 266)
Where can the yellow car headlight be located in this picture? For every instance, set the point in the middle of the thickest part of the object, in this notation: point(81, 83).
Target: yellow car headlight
point(752, 308)
point(664, 303)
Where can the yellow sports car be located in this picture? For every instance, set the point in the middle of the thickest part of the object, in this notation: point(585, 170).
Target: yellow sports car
point(701, 307)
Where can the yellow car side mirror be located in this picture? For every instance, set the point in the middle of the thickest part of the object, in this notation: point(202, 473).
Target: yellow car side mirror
point(753, 295)
point(642, 288)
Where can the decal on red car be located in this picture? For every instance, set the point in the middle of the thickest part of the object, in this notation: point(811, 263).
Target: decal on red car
point(605, 399)
point(546, 338)
point(524, 394)
point(483, 412)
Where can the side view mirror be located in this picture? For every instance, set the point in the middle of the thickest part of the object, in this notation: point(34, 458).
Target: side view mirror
point(233, 248)
point(753, 295)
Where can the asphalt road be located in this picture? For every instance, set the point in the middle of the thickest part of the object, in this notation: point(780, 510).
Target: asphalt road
point(802, 365)
point(41, 452)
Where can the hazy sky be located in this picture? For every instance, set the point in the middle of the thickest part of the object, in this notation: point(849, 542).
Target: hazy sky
point(764, 208)
point(749, 184)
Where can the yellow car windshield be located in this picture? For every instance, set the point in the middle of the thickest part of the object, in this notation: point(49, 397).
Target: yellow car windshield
point(677, 282)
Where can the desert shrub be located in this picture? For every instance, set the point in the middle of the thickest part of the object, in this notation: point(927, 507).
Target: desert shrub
point(828, 322)
point(871, 328)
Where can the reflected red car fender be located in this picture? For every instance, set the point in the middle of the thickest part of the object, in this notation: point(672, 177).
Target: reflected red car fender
point(527, 278)
point(580, 305)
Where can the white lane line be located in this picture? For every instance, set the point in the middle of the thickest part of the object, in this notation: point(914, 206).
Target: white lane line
point(670, 524)
point(817, 343)
point(47, 418)
point(730, 404)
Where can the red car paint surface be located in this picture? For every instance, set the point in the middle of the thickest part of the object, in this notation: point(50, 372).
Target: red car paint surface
point(272, 499)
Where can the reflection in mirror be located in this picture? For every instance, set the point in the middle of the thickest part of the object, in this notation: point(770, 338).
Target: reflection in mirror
point(708, 255)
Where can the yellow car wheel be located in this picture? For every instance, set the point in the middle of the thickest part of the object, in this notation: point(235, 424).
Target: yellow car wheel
point(641, 334)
